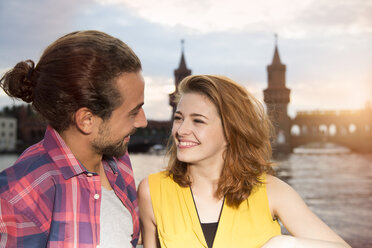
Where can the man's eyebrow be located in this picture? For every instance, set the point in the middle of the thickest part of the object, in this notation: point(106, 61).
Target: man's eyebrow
point(135, 109)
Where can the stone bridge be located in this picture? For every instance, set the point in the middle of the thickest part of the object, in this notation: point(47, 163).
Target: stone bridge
point(156, 132)
point(352, 129)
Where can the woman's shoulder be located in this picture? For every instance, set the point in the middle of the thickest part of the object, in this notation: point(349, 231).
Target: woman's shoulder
point(277, 189)
point(143, 189)
point(152, 181)
point(159, 178)
point(280, 194)
point(269, 182)
point(276, 185)
point(144, 183)
point(159, 175)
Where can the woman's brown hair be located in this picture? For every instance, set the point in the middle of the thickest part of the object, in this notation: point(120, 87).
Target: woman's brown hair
point(247, 130)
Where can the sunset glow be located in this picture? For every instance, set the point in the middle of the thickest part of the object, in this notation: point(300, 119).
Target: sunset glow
point(326, 45)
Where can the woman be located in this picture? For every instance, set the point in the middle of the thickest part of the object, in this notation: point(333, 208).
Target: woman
point(218, 189)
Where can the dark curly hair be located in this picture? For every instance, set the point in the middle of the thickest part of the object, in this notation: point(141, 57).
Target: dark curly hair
point(77, 70)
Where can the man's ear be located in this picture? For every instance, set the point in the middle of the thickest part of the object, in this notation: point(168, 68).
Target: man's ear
point(84, 120)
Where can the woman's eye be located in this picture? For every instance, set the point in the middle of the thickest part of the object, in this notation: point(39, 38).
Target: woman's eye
point(177, 118)
point(198, 121)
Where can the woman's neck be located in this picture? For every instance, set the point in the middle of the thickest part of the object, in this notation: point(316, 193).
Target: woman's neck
point(204, 179)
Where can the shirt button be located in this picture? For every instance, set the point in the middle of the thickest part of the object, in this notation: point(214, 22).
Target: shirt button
point(89, 174)
point(96, 196)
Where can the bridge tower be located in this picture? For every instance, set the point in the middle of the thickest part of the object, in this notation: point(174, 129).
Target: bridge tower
point(276, 97)
point(180, 73)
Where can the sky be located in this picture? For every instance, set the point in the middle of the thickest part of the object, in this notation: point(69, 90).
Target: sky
point(325, 44)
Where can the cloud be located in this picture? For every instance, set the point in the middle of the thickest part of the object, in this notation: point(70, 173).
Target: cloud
point(331, 18)
point(321, 42)
point(330, 96)
point(212, 16)
point(27, 27)
point(292, 19)
point(156, 97)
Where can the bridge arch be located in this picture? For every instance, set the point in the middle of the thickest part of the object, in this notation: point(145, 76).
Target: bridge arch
point(295, 130)
point(332, 130)
point(352, 129)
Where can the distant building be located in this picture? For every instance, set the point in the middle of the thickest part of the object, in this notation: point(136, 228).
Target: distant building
point(157, 132)
point(180, 73)
point(31, 128)
point(276, 97)
point(8, 134)
point(348, 128)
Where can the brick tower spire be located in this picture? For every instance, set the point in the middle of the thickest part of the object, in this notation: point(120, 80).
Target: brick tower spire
point(180, 73)
point(276, 97)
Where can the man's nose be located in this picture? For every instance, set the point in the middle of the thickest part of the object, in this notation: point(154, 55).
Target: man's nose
point(141, 120)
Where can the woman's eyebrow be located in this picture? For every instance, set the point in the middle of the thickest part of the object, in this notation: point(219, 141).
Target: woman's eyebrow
point(198, 115)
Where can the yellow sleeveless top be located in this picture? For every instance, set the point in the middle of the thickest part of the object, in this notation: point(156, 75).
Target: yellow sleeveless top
point(249, 226)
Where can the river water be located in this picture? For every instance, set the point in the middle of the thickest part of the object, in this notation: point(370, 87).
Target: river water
point(336, 186)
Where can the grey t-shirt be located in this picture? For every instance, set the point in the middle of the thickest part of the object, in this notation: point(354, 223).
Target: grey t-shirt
point(116, 222)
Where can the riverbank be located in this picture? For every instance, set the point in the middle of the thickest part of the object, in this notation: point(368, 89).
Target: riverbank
point(337, 187)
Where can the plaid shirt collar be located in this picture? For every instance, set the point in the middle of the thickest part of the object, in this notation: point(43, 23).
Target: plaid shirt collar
point(64, 159)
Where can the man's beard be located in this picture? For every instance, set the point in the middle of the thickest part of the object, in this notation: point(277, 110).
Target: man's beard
point(108, 148)
point(117, 149)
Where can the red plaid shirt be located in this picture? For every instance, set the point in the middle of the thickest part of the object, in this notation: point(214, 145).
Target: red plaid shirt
point(49, 199)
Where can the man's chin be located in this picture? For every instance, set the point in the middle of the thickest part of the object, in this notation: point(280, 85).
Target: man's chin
point(116, 152)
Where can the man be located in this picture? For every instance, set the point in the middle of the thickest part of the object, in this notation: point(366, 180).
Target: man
point(75, 188)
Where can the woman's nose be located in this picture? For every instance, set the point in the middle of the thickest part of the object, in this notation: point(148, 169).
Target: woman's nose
point(183, 128)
